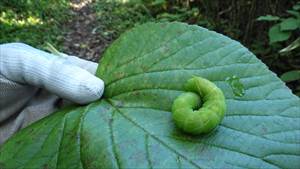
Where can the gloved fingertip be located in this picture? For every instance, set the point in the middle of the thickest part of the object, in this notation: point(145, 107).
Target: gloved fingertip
point(90, 90)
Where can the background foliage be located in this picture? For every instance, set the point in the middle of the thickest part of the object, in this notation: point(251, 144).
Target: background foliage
point(240, 20)
point(269, 28)
point(33, 22)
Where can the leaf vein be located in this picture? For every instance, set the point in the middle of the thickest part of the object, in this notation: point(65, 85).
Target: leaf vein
point(147, 151)
point(114, 148)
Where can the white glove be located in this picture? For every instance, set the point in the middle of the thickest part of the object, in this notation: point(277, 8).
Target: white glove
point(24, 70)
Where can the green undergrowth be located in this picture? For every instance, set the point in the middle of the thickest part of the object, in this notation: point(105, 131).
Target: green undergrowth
point(33, 22)
point(118, 16)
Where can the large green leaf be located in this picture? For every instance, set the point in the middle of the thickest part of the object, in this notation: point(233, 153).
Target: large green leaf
point(131, 127)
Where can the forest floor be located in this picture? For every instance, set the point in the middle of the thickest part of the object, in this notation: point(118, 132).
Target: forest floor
point(81, 39)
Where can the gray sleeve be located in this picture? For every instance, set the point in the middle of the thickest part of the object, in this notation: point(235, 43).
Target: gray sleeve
point(22, 105)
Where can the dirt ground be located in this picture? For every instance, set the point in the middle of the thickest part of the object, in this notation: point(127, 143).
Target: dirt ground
point(81, 39)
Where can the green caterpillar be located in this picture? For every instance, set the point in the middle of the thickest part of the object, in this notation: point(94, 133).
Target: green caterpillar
point(208, 116)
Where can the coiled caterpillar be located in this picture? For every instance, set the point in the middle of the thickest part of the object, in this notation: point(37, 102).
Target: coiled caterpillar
point(205, 119)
